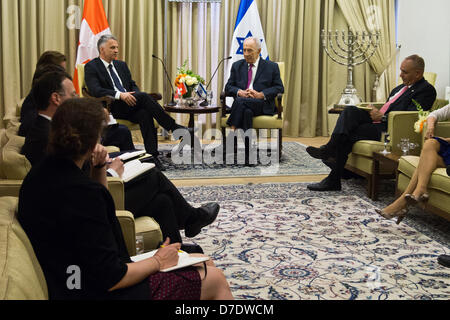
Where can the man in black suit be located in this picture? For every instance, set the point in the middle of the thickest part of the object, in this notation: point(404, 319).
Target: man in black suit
point(355, 124)
point(254, 83)
point(150, 194)
point(106, 76)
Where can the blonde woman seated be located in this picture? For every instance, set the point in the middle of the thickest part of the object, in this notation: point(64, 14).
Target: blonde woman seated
point(71, 222)
point(435, 154)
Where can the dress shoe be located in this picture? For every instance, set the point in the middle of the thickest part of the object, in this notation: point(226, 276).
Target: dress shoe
point(326, 184)
point(321, 153)
point(158, 163)
point(206, 215)
point(420, 201)
point(400, 215)
point(444, 260)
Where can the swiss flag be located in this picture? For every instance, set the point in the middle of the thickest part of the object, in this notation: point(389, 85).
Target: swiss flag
point(181, 90)
point(93, 26)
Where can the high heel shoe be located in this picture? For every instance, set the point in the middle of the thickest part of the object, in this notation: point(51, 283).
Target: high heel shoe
point(413, 201)
point(400, 215)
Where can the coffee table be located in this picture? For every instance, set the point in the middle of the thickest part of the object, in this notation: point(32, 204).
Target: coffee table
point(390, 160)
point(192, 111)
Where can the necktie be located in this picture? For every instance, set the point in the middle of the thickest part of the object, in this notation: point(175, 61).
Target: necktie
point(116, 79)
point(250, 75)
point(388, 104)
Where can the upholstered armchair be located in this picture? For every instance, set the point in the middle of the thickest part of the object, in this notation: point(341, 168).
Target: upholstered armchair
point(107, 100)
point(400, 125)
point(269, 123)
point(439, 185)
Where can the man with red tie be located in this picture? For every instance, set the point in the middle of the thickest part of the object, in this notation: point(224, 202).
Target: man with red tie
point(356, 124)
point(254, 83)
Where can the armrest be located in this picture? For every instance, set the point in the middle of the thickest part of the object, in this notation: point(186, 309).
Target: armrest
point(442, 130)
point(156, 96)
point(279, 104)
point(223, 103)
point(126, 220)
point(10, 188)
point(377, 105)
point(116, 188)
point(401, 125)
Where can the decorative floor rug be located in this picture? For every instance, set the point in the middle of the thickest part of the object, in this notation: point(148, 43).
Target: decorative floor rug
point(281, 241)
point(295, 161)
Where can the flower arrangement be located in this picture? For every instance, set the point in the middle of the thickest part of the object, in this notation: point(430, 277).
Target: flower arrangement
point(423, 115)
point(187, 80)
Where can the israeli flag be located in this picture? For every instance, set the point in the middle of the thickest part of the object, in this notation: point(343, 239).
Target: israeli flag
point(201, 91)
point(248, 24)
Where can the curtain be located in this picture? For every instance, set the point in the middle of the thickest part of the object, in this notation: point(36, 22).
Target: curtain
point(199, 32)
point(372, 15)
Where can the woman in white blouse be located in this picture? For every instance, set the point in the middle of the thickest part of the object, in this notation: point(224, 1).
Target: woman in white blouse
point(435, 154)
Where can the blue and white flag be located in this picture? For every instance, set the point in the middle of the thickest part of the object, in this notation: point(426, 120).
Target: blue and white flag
point(248, 24)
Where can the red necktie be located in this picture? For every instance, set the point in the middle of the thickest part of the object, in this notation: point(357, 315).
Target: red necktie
point(250, 75)
point(388, 104)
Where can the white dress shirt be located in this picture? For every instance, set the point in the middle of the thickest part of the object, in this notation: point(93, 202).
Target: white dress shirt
point(255, 69)
point(117, 95)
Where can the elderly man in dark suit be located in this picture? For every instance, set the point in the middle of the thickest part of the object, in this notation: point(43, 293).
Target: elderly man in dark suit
point(254, 83)
point(355, 124)
point(106, 76)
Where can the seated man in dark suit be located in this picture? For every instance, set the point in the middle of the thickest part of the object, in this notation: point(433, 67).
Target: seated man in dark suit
point(355, 124)
point(150, 194)
point(254, 83)
point(114, 135)
point(106, 76)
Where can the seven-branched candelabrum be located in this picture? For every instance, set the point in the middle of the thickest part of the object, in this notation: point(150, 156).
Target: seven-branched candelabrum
point(350, 49)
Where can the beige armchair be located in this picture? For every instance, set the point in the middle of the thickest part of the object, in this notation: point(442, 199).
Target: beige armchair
point(269, 123)
point(14, 167)
point(21, 276)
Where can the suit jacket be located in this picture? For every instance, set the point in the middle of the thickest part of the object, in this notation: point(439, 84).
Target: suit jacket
point(28, 115)
point(63, 211)
point(423, 92)
point(267, 81)
point(99, 82)
point(36, 141)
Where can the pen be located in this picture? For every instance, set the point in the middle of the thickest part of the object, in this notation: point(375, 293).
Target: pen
point(163, 246)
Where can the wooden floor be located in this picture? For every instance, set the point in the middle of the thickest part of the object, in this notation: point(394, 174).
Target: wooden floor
point(257, 180)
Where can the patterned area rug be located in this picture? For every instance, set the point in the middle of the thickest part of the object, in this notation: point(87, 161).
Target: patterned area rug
point(295, 161)
point(281, 241)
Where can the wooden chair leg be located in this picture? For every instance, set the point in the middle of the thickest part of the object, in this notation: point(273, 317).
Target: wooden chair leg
point(224, 145)
point(280, 144)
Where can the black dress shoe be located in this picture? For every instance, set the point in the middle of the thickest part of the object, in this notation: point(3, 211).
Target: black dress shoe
point(321, 153)
point(444, 260)
point(158, 164)
point(207, 214)
point(326, 184)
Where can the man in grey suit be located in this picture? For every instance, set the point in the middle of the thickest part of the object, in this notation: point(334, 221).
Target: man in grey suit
point(254, 83)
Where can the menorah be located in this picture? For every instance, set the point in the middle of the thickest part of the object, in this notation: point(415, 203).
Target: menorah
point(350, 49)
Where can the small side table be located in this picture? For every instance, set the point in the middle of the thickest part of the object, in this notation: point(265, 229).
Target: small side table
point(391, 161)
point(192, 111)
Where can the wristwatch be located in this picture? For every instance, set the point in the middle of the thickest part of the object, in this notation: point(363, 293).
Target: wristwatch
point(384, 119)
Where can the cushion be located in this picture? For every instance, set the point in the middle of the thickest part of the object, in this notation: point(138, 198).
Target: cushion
point(439, 179)
point(367, 147)
point(151, 231)
point(15, 165)
point(21, 277)
point(261, 122)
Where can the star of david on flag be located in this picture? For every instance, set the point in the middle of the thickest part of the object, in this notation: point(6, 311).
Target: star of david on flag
point(248, 24)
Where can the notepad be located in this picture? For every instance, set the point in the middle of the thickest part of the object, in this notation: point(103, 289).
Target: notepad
point(131, 155)
point(134, 168)
point(184, 259)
